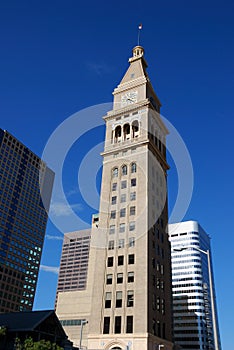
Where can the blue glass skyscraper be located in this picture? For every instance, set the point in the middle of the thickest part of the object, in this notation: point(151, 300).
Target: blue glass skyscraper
point(23, 218)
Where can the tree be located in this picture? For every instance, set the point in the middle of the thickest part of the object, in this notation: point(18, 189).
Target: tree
point(29, 344)
point(2, 331)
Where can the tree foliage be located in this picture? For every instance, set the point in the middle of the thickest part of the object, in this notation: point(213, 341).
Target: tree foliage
point(29, 344)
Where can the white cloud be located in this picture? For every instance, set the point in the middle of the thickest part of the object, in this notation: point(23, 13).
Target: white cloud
point(72, 192)
point(62, 209)
point(52, 269)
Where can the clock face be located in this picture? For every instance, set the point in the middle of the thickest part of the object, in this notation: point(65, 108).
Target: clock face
point(129, 98)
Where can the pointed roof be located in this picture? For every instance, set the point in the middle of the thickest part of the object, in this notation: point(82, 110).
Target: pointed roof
point(28, 320)
point(138, 65)
point(136, 74)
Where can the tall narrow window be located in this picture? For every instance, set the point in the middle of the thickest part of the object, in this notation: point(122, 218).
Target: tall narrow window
point(109, 279)
point(117, 324)
point(106, 325)
point(118, 299)
point(131, 241)
point(158, 329)
point(113, 214)
point(113, 200)
point(122, 212)
point(115, 172)
point(114, 186)
point(110, 261)
point(108, 300)
point(130, 298)
point(122, 228)
point(123, 184)
point(133, 210)
point(131, 259)
point(111, 245)
point(130, 277)
point(120, 260)
point(129, 324)
point(121, 243)
point(132, 196)
point(133, 168)
point(112, 229)
point(124, 170)
point(119, 277)
point(123, 198)
point(132, 225)
point(133, 182)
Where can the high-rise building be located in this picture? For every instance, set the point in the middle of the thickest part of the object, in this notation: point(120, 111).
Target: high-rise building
point(127, 301)
point(25, 191)
point(74, 261)
point(194, 304)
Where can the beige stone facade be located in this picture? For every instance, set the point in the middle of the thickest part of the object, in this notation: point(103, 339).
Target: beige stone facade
point(127, 302)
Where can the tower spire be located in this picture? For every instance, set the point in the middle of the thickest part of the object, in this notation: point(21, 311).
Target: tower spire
point(139, 31)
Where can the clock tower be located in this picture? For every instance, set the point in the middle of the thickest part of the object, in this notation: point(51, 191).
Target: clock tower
point(128, 302)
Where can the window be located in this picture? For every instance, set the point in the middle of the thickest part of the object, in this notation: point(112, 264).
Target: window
point(133, 168)
point(111, 245)
point(117, 324)
point(122, 212)
point(123, 184)
point(113, 200)
point(119, 277)
point(109, 279)
point(106, 325)
point(130, 277)
point(118, 299)
point(112, 229)
point(113, 214)
point(115, 172)
point(120, 260)
point(114, 186)
point(132, 210)
point(122, 228)
point(123, 198)
point(131, 241)
point(132, 226)
point(132, 196)
point(129, 324)
point(158, 304)
point(131, 259)
point(108, 300)
point(110, 261)
point(121, 243)
point(163, 306)
point(130, 298)
point(133, 182)
point(124, 170)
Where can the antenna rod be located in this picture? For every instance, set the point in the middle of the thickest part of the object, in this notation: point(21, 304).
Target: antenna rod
point(139, 31)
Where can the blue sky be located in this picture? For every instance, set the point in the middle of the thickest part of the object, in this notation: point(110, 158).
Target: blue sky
point(58, 57)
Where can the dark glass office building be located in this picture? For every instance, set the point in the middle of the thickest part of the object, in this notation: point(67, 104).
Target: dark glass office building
point(25, 192)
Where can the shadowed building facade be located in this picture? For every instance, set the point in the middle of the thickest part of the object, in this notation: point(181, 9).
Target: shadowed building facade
point(127, 301)
point(24, 181)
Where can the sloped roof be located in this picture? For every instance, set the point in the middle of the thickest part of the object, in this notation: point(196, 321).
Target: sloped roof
point(27, 320)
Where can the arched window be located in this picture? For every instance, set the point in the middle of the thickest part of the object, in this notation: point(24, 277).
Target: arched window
point(135, 128)
point(115, 172)
point(133, 168)
point(124, 170)
point(118, 133)
point(126, 131)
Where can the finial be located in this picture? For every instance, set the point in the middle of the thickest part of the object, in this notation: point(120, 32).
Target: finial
point(139, 31)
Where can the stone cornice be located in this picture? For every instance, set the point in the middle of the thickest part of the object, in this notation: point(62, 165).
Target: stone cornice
point(127, 109)
point(131, 84)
